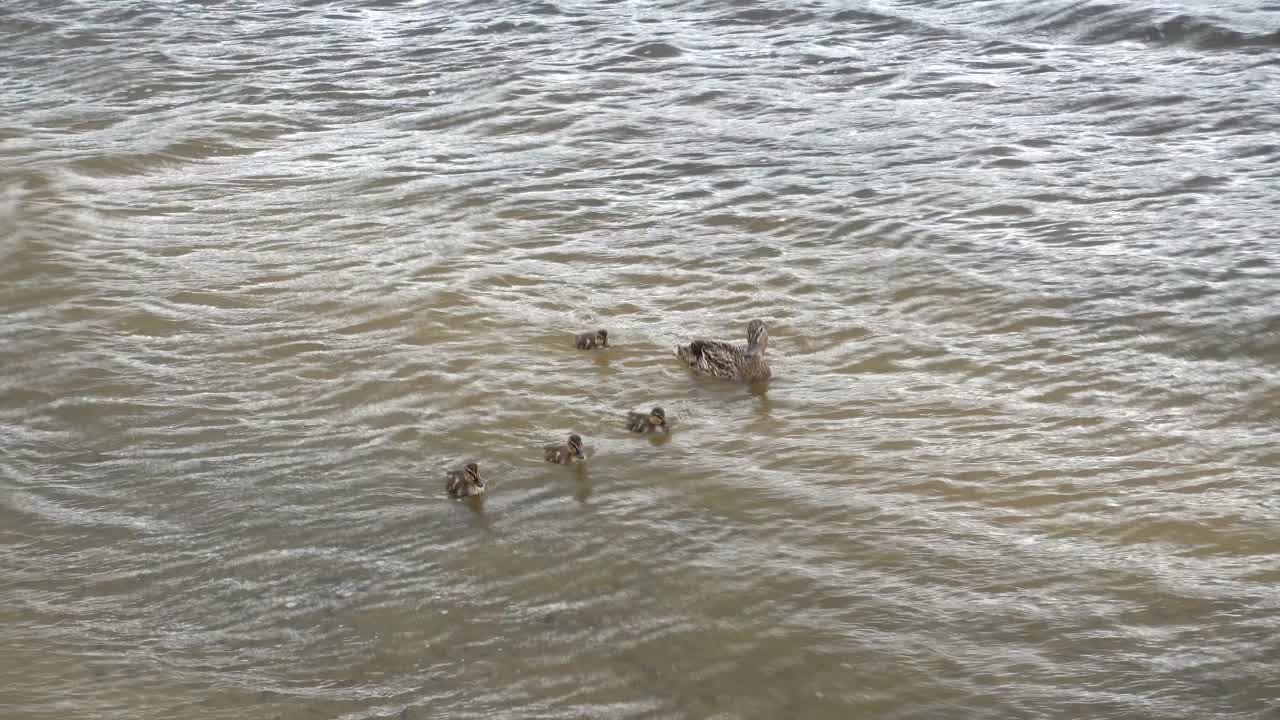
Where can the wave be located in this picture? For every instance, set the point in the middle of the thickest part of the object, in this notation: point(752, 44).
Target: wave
point(1104, 23)
point(1086, 22)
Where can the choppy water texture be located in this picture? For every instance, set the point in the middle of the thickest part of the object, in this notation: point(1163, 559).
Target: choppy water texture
point(267, 268)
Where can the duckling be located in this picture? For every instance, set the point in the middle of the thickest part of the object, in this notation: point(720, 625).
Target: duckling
point(565, 454)
point(590, 341)
point(654, 421)
point(728, 361)
point(464, 482)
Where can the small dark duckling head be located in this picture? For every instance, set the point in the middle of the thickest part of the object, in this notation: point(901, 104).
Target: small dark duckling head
point(602, 338)
point(575, 444)
point(757, 337)
point(658, 417)
point(472, 473)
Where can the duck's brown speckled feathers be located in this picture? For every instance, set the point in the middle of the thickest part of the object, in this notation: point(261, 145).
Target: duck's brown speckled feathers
point(565, 454)
point(592, 340)
point(653, 421)
point(464, 482)
point(727, 360)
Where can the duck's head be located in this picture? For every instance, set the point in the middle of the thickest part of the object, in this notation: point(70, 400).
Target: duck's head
point(602, 338)
point(658, 417)
point(575, 444)
point(472, 473)
point(757, 338)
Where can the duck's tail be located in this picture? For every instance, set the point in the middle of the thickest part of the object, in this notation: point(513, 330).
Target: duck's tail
point(689, 353)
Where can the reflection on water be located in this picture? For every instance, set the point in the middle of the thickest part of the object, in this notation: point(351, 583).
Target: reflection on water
point(266, 270)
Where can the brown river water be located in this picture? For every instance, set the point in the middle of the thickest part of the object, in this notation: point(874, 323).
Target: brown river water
point(268, 268)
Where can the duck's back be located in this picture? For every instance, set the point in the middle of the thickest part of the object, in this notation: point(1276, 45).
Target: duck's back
point(713, 357)
point(637, 422)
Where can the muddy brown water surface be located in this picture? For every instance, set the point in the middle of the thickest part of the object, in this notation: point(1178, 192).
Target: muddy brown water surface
point(268, 268)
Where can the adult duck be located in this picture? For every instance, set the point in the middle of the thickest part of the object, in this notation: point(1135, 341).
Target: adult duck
point(728, 361)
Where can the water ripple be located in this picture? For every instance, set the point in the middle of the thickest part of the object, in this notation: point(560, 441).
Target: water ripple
point(267, 269)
